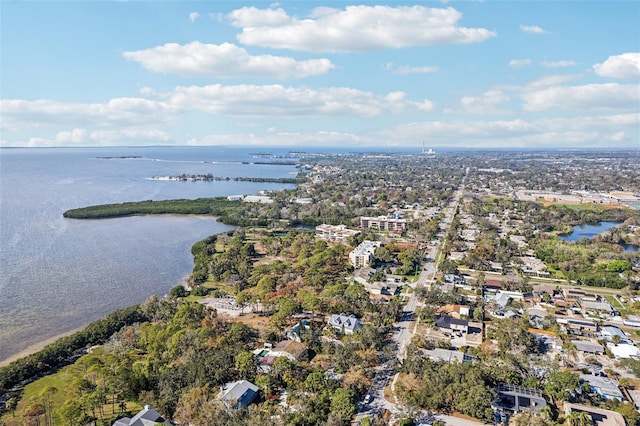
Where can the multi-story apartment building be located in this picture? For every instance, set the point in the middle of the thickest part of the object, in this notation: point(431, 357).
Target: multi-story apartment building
point(383, 223)
point(362, 255)
point(335, 232)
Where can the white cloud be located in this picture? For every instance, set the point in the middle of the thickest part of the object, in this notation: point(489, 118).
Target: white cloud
point(532, 29)
point(610, 96)
point(551, 80)
point(225, 60)
point(281, 101)
point(81, 137)
point(283, 138)
point(625, 66)
point(355, 28)
point(130, 136)
point(519, 63)
point(558, 64)
point(193, 16)
point(487, 103)
point(75, 136)
point(519, 133)
point(118, 112)
point(406, 69)
point(253, 17)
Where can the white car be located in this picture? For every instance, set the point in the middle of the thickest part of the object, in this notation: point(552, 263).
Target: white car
point(368, 398)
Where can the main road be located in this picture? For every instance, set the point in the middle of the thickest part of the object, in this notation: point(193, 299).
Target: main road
point(375, 402)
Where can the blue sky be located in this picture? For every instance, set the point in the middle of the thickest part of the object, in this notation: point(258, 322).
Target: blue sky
point(475, 74)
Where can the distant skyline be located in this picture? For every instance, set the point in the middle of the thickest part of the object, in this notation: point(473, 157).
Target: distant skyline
point(449, 74)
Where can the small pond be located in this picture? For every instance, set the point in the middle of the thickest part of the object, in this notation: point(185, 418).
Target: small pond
point(590, 231)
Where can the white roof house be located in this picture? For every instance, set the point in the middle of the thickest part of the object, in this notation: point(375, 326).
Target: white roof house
point(344, 324)
point(624, 350)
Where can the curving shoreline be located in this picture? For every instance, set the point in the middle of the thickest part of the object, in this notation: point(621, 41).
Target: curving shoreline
point(37, 347)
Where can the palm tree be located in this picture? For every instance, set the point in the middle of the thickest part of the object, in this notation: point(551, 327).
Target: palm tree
point(579, 418)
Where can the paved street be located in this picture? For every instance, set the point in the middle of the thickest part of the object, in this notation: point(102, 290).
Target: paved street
point(376, 403)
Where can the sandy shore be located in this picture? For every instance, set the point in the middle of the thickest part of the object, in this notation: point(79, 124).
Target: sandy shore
point(36, 347)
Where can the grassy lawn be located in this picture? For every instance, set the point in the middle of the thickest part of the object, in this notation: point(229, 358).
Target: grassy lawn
point(616, 304)
point(64, 384)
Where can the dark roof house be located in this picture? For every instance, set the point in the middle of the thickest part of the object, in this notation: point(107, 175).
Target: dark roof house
point(235, 394)
point(146, 417)
point(518, 398)
point(445, 322)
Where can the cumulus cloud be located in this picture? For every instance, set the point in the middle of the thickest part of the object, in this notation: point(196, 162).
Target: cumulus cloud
point(558, 64)
point(610, 96)
point(75, 136)
point(519, 63)
point(281, 101)
point(626, 66)
point(354, 28)
point(406, 69)
point(488, 103)
point(119, 112)
point(225, 60)
point(532, 29)
point(193, 16)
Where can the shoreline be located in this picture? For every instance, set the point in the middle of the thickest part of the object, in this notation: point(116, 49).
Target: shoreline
point(36, 347)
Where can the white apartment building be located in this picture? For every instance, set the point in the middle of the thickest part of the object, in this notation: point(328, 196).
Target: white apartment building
point(335, 232)
point(362, 255)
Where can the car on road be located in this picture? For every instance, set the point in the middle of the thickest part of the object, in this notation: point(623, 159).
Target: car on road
point(368, 398)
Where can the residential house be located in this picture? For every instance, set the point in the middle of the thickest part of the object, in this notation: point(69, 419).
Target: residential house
point(293, 333)
point(145, 417)
point(603, 386)
point(599, 416)
point(597, 307)
point(579, 326)
point(449, 356)
point(344, 324)
point(386, 288)
point(548, 339)
point(609, 331)
point(624, 350)
point(363, 275)
point(236, 394)
point(518, 398)
point(533, 265)
point(455, 311)
point(588, 347)
point(450, 324)
point(291, 349)
point(261, 199)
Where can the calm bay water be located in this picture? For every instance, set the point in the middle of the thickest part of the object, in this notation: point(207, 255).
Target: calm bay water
point(59, 274)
